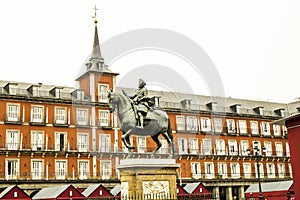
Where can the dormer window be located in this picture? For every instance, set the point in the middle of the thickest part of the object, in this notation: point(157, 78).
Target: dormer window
point(155, 101)
point(78, 94)
point(259, 110)
point(212, 106)
point(280, 112)
point(236, 108)
point(186, 103)
point(34, 90)
point(57, 92)
point(11, 88)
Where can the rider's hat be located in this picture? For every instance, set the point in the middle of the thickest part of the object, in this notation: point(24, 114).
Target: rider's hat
point(141, 83)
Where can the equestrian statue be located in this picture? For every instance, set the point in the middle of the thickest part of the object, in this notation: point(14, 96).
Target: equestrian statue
point(138, 117)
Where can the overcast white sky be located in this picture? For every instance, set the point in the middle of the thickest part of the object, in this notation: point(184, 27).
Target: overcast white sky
point(255, 44)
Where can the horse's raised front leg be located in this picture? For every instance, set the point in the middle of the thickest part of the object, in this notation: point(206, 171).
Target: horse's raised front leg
point(126, 139)
point(157, 141)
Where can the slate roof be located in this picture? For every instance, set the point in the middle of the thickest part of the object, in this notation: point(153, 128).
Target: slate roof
point(190, 187)
point(50, 192)
point(270, 186)
point(116, 190)
point(6, 190)
point(88, 191)
point(171, 100)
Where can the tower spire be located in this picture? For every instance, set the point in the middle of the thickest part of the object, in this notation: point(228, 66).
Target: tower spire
point(96, 53)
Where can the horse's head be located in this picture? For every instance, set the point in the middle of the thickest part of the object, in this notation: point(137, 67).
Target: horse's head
point(113, 101)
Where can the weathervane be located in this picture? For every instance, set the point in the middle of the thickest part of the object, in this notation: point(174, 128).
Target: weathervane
point(95, 16)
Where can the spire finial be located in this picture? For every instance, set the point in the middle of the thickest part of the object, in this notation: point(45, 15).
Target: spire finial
point(95, 16)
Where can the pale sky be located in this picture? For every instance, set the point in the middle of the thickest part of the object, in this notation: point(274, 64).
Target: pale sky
point(255, 45)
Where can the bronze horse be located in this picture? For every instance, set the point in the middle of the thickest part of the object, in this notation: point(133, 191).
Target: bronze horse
point(158, 122)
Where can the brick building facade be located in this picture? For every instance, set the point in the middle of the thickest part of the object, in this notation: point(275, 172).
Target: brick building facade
point(52, 135)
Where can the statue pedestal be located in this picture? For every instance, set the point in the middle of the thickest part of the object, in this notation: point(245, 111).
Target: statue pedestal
point(148, 178)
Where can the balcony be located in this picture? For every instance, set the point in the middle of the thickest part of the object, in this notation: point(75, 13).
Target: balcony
point(38, 121)
point(11, 118)
point(83, 123)
point(60, 121)
point(103, 124)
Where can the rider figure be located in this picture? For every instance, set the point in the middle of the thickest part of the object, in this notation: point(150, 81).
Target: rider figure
point(140, 98)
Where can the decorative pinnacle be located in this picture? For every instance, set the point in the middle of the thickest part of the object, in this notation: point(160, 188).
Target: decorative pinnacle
point(95, 16)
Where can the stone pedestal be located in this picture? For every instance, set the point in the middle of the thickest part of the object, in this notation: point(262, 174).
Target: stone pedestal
point(148, 178)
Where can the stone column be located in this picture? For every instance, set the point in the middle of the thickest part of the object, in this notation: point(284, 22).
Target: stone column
point(241, 192)
point(216, 193)
point(229, 193)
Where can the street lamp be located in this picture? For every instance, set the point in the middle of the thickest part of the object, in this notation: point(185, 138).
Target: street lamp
point(257, 155)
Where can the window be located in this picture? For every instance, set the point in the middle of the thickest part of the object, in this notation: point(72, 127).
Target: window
point(60, 115)
point(207, 146)
point(284, 130)
point(37, 140)
point(235, 170)
point(12, 169)
point(37, 114)
point(82, 142)
point(209, 170)
point(244, 147)
point(12, 139)
point(265, 128)
point(192, 124)
point(141, 143)
point(105, 143)
point(182, 145)
point(276, 129)
point(281, 170)
point(271, 170)
point(261, 170)
point(105, 168)
point(193, 145)
point(12, 88)
point(103, 93)
point(243, 127)
point(247, 170)
point(220, 147)
point(222, 170)
point(104, 118)
point(287, 149)
point(256, 144)
point(268, 146)
point(13, 113)
point(60, 169)
point(164, 149)
point(290, 170)
point(82, 117)
point(83, 169)
point(232, 147)
point(218, 125)
point(205, 124)
point(79, 94)
point(254, 127)
point(230, 126)
point(180, 123)
point(195, 170)
point(279, 149)
point(60, 141)
point(36, 91)
point(36, 169)
point(58, 92)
